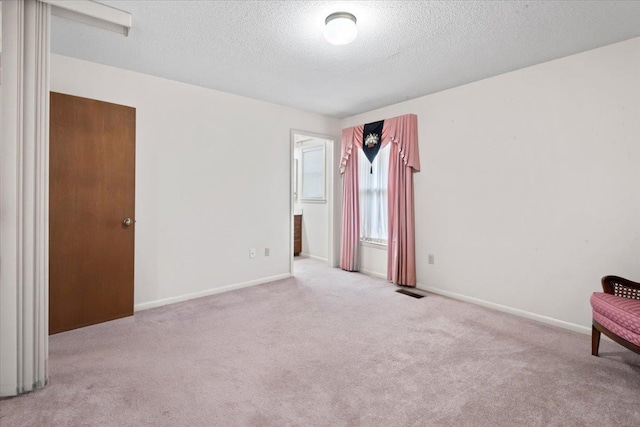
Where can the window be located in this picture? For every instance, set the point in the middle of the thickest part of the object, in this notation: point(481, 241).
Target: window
point(313, 174)
point(373, 182)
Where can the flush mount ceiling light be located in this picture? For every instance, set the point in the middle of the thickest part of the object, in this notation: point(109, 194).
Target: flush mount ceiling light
point(340, 28)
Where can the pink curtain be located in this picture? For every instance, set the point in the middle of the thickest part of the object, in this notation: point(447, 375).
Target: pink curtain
point(404, 159)
point(349, 254)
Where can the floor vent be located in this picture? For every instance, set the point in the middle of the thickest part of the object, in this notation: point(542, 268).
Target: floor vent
point(411, 294)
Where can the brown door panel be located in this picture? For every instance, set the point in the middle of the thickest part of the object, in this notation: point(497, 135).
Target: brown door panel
point(91, 191)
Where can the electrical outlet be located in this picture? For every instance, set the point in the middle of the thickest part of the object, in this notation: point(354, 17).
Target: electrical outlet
point(252, 253)
point(267, 251)
point(431, 259)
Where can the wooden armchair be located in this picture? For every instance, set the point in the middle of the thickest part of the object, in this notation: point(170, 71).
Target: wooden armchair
point(616, 313)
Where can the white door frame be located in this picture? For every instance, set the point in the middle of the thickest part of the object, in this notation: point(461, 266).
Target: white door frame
point(333, 201)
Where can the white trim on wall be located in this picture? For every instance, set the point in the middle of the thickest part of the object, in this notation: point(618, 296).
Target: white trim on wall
point(306, 255)
point(212, 291)
point(503, 308)
point(374, 274)
point(506, 309)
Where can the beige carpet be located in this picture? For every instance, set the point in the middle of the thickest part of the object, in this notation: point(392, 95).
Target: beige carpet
point(329, 348)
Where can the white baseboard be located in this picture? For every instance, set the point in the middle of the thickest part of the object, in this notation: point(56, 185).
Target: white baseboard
point(306, 255)
point(516, 311)
point(506, 309)
point(207, 292)
point(374, 274)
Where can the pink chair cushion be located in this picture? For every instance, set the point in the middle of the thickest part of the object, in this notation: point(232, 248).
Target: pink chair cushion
point(620, 315)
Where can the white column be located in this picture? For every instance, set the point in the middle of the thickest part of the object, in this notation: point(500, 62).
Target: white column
point(24, 188)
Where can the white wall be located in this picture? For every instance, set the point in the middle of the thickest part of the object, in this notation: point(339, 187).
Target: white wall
point(315, 216)
point(530, 184)
point(212, 179)
point(529, 193)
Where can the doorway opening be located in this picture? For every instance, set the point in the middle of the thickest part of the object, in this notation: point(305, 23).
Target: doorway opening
point(313, 198)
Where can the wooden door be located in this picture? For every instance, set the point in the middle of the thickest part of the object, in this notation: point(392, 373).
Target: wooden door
point(91, 193)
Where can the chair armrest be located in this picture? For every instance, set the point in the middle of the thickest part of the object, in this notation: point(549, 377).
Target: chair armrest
point(621, 287)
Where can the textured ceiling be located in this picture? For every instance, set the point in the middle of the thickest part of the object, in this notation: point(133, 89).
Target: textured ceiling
point(275, 50)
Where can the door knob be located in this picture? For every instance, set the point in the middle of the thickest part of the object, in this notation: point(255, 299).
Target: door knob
point(127, 222)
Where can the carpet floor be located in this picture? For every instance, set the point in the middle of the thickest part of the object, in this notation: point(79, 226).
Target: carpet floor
point(329, 348)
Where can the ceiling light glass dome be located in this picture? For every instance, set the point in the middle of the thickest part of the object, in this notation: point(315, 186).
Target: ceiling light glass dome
point(340, 28)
